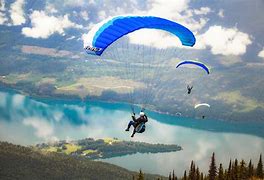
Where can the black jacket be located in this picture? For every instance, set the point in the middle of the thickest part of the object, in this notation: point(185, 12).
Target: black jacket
point(141, 119)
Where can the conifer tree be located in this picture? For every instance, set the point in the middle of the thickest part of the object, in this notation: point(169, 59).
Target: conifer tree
point(212, 169)
point(229, 175)
point(259, 170)
point(242, 170)
point(170, 176)
point(197, 174)
point(173, 175)
point(205, 177)
point(191, 167)
point(235, 170)
point(201, 176)
point(140, 175)
point(185, 175)
point(192, 171)
point(250, 169)
point(225, 174)
point(220, 173)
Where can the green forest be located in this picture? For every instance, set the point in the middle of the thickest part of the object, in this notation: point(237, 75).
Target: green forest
point(19, 162)
point(235, 171)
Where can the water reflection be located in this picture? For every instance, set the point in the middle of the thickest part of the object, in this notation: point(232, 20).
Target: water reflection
point(27, 121)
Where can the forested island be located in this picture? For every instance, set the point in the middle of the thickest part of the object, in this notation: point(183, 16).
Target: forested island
point(104, 148)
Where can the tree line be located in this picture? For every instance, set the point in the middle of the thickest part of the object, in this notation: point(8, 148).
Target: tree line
point(236, 171)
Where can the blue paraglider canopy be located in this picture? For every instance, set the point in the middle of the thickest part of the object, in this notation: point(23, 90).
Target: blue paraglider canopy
point(107, 32)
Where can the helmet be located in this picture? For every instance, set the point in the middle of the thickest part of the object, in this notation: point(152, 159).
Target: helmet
point(141, 113)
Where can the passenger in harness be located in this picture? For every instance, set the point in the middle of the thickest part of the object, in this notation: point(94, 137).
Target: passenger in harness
point(189, 89)
point(138, 124)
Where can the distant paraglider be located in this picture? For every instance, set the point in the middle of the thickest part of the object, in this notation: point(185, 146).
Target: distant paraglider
point(199, 64)
point(196, 63)
point(197, 106)
point(189, 89)
point(201, 104)
point(178, 114)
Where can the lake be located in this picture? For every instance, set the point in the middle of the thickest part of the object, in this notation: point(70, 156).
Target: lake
point(26, 121)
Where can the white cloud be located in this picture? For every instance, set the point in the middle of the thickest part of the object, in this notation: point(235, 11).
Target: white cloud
point(221, 13)
point(70, 38)
point(167, 8)
point(178, 11)
point(78, 3)
point(50, 8)
point(202, 11)
point(84, 15)
point(2, 5)
point(17, 12)
point(261, 53)
point(42, 127)
point(102, 15)
point(3, 17)
point(43, 25)
point(224, 41)
point(74, 2)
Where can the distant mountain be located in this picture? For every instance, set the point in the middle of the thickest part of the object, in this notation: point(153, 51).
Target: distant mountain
point(19, 162)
